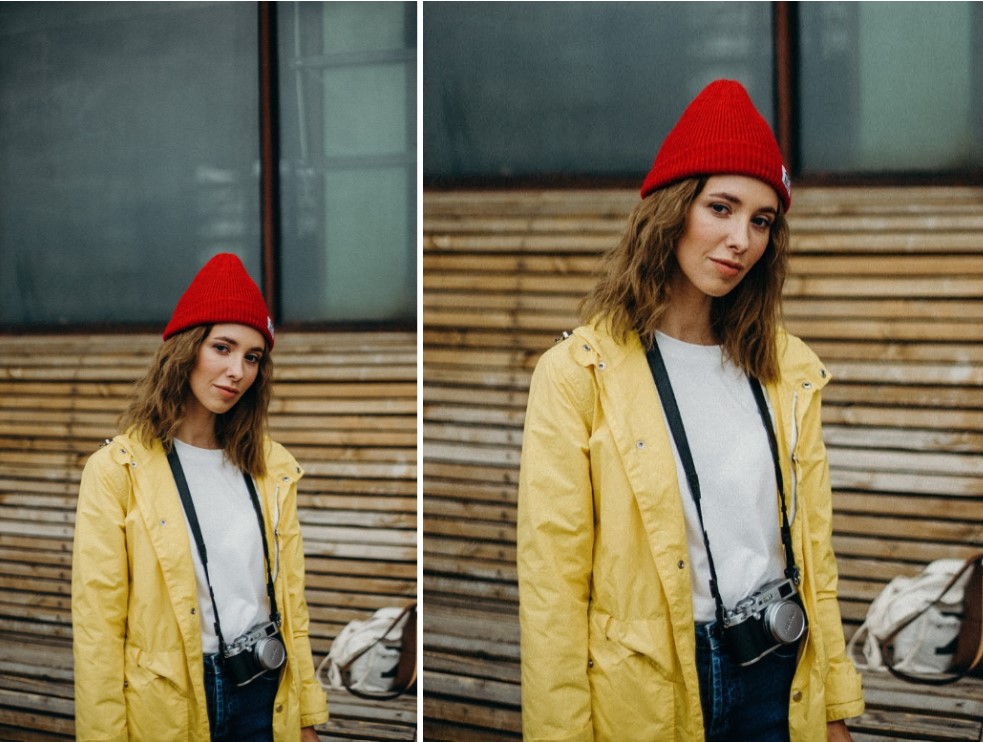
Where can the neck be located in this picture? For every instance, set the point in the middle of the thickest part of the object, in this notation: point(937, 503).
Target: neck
point(687, 318)
point(197, 428)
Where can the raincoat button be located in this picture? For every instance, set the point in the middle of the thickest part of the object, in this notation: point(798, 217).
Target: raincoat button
point(640, 444)
point(279, 708)
point(807, 385)
point(797, 696)
point(602, 365)
point(822, 373)
point(681, 564)
point(586, 347)
point(194, 611)
point(590, 663)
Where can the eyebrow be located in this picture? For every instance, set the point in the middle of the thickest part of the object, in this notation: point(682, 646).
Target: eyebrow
point(232, 341)
point(737, 201)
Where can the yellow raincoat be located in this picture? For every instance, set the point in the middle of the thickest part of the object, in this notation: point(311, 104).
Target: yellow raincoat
point(606, 612)
point(137, 636)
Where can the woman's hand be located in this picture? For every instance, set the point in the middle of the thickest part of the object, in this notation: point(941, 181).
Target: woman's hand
point(307, 734)
point(836, 731)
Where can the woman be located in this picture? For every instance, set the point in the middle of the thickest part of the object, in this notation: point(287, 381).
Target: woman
point(188, 568)
point(633, 557)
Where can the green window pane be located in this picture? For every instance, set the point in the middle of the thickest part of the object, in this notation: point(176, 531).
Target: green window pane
point(129, 151)
point(348, 161)
point(890, 87)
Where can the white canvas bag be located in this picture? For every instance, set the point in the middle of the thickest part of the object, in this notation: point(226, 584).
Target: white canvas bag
point(366, 653)
point(917, 646)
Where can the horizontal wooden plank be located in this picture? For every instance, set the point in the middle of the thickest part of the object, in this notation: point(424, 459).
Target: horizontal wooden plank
point(903, 267)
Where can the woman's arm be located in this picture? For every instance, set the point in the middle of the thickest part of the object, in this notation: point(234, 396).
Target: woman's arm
point(313, 704)
point(555, 542)
point(844, 696)
point(100, 588)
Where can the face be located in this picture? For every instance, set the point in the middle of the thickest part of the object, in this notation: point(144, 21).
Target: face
point(227, 365)
point(727, 230)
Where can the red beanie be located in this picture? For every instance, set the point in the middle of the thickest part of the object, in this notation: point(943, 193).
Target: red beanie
point(222, 292)
point(720, 132)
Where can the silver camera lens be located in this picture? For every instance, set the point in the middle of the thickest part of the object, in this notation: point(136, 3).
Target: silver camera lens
point(785, 621)
point(270, 652)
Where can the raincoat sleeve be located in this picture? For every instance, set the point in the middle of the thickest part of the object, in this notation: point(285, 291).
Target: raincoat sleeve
point(313, 703)
point(843, 691)
point(100, 588)
point(555, 538)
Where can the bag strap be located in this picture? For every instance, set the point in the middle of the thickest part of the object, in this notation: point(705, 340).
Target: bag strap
point(791, 570)
point(664, 386)
point(409, 642)
point(189, 509)
point(270, 591)
point(669, 405)
point(969, 564)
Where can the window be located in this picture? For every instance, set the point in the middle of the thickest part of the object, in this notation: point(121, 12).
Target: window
point(891, 87)
point(130, 153)
point(348, 160)
point(591, 88)
point(563, 91)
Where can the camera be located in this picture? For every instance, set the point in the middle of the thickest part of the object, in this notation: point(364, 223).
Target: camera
point(257, 651)
point(765, 620)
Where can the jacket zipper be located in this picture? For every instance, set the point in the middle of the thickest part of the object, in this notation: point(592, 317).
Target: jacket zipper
point(792, 455)
point(276, 530)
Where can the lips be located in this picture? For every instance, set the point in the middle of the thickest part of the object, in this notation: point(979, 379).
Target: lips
point(227, 392)
point(727, 268)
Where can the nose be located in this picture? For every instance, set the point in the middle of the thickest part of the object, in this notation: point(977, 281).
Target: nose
point(739, 237)
point(235, 368)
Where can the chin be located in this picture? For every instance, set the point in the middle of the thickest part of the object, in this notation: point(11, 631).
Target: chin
point(719, 292)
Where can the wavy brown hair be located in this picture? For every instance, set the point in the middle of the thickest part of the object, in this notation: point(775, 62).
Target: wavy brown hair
point(634, 291)
point(157, 404)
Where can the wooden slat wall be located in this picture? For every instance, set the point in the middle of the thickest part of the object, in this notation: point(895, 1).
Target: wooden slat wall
point(886, 285)
point(345, 404)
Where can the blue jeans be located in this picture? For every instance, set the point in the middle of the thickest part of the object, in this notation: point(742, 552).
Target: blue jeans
point(239, 714)
point(743, 703)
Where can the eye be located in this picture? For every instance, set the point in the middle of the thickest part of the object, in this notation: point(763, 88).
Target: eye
point(221, 347)
point(253, 357)
point(719, 208)
point(762, 222)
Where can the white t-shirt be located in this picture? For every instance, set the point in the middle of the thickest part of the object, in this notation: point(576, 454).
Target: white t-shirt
point(233, 543)
point(736, 471)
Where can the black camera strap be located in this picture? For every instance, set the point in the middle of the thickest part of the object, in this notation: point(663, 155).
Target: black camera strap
point(189, 508)
point(661, 376)
point(270, 592)
point(791, 570)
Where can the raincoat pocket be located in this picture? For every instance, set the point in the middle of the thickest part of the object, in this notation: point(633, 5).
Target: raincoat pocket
point(632, 679)
point(156, 702)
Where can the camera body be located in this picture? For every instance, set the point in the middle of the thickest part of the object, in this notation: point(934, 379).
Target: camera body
point(257, 651)
point(767, 619)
